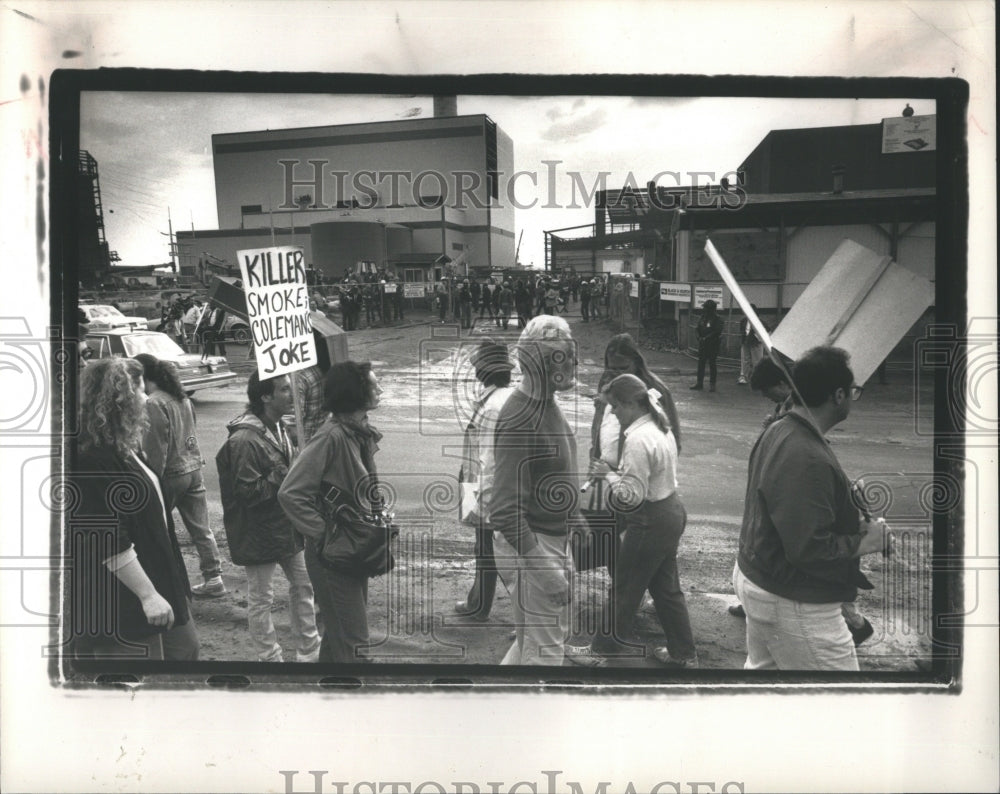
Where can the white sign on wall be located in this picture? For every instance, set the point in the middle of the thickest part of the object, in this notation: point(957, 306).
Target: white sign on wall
point(913, 134)
point(703, 293)
point(675, 291)
point(274, 280)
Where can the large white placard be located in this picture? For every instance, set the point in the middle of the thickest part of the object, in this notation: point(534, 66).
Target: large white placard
point(274, 280)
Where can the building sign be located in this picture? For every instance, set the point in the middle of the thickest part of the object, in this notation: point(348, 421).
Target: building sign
point(413, 290)
point(703, 293)
point(274, 280)
point(913, 134)
point(673, 291)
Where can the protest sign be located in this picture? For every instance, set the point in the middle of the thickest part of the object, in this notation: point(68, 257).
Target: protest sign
point(390, 288)
point(633, 289)
point(274, 280)
point(413, 290)
point(861, 301)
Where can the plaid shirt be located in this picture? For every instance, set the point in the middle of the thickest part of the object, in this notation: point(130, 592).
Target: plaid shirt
point(310, 387)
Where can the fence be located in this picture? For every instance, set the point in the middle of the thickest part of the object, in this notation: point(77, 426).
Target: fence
point(634, 306)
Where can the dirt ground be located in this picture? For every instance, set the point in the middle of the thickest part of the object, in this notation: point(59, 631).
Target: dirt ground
point(411, 610)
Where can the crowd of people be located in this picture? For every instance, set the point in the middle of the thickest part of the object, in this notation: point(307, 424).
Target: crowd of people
point(500, 300)
point(291, 494)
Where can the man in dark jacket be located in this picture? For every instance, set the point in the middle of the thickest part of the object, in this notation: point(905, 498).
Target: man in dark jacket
point(252, 465)
point(802, 535)
point(709, 337)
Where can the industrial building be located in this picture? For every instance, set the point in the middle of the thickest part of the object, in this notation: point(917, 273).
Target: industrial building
point(798, 194)
point(95, 256)
point(407, 195)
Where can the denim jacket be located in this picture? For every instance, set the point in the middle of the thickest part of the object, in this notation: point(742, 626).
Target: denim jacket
point(170, 443)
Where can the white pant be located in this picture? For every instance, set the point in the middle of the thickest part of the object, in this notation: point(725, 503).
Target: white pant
point(539, 583)
point(793, 635)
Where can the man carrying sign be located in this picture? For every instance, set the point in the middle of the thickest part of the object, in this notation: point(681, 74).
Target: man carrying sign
point(802, 535)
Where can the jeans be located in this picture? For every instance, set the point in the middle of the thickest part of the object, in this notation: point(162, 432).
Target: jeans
point(647, 560)
point(260, 595)
point(793, 635)
point(539, 599)
point(343, 605)
point(750, 356)
point(484, 586)
point(187, 493)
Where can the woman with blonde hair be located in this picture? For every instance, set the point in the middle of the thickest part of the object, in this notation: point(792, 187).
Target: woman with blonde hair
point(644, 493)
point(130, 588)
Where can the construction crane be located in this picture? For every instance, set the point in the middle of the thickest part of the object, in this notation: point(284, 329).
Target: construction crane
point(517, 250)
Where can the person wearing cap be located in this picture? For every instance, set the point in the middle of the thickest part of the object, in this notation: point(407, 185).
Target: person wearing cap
point(709, 337)
point(535, 484)
point(492, 367)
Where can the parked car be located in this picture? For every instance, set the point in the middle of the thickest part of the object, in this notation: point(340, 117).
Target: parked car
point(102, 317)
point(194, 371)
point(235, 329)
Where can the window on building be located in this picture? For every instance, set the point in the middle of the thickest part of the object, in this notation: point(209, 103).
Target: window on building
point(413, 275)
point(458, 246)
point(251, 209)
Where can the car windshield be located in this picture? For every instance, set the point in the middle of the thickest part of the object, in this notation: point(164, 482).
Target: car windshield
point(159, 345)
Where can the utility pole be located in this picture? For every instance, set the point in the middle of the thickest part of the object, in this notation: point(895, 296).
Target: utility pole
point(174, 265)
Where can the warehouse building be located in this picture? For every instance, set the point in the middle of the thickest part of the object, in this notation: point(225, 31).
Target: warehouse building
point(407, 195)
point(798, 194)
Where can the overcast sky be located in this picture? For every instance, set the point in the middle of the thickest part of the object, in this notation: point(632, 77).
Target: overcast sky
point(154, 149)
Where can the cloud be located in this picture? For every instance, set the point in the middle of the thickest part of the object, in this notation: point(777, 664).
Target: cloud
point(555, 113)
point(576, 127)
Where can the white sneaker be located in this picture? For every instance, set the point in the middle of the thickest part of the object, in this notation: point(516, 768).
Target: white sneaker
point(210, 588)
point(308, 658)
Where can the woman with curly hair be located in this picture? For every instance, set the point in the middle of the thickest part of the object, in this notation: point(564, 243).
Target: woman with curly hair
point(129, 585)
point(172, 451)
point(338, 465)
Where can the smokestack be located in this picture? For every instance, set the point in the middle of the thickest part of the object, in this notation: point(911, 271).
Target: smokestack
point(838, 179)
point(445, 106)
